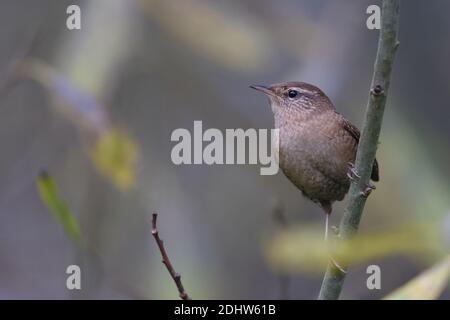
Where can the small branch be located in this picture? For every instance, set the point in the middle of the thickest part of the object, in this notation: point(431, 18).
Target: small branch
point(359, 189)
point(165, 259)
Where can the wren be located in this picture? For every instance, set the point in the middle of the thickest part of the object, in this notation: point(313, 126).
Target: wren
point(317, 145)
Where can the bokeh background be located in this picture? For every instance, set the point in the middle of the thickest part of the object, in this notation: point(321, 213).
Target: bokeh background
point(96, 107)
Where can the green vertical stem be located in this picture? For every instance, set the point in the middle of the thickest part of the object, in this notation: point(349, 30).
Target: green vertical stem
point(387, 45)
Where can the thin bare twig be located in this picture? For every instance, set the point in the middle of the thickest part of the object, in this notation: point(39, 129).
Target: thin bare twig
point(165, 259)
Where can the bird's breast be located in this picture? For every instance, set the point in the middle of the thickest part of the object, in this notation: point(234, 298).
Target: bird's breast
point(311, 154)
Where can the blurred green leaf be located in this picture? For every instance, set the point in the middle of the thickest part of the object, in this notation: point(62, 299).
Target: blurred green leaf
point(48, 192)
point(304, 249)
point(426, 286)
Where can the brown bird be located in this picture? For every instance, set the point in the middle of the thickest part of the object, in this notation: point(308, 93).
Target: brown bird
point(317, 145)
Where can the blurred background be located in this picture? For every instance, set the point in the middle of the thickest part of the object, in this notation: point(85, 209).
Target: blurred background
point(96, 107)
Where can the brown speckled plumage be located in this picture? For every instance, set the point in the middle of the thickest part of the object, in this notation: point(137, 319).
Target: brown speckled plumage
point(316, 143)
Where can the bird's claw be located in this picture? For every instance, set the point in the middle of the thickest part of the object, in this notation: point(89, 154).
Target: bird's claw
point(352, 174)
point(370, 187)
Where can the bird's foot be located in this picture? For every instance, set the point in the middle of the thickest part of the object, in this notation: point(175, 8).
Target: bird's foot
point(352, 174)
point(370, 187)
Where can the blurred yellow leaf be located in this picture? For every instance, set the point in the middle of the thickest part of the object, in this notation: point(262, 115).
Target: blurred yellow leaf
point(115, 155)
point(48, 192)
point(304, 249)
point(234, 41)
point(426, 286)
point(299, 250)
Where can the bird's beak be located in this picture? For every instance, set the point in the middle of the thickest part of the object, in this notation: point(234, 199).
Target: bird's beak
point(263, 89)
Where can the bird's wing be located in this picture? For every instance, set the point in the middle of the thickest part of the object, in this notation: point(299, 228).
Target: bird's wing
point(354, 132)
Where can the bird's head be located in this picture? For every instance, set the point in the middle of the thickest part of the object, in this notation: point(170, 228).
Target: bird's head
point(289, 98)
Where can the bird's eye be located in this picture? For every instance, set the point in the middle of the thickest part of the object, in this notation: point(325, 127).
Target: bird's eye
point(292, 93)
